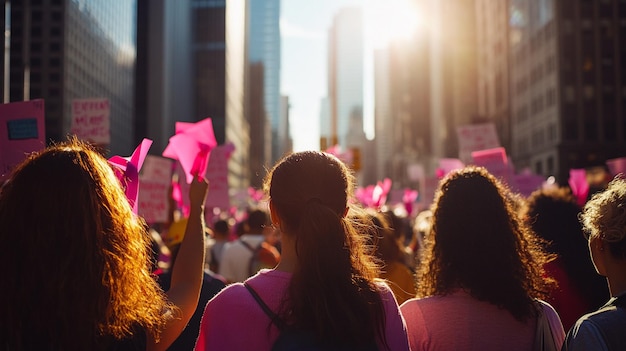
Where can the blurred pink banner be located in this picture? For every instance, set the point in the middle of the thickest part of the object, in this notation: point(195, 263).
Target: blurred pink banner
point(447, 165)
point(496, 162)
point(22, 131)
point(617, 166)
point(579, 185)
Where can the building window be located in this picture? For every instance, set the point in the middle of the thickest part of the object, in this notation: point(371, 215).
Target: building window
point(539, 167)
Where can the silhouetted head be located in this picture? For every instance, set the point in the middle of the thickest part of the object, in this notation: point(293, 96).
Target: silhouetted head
point(332, 288)
point(75, 240)
point(604, 217)
point(308, 181)
point(477, 242)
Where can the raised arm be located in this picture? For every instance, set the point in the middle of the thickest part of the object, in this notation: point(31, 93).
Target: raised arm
point(188, 270)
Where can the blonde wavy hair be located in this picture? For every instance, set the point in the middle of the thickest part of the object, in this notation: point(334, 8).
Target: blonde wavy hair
point(79, 271)
point(604, 216)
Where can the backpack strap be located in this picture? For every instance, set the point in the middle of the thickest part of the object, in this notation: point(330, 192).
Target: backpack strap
point(273, 316)
point(251, 270)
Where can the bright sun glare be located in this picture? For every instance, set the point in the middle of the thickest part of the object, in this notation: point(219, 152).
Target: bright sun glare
point(390, 20)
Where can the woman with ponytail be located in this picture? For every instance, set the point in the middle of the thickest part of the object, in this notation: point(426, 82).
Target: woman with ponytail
point(325, 285)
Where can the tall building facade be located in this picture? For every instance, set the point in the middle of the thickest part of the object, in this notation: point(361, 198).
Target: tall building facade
point(345, 76)
point(265, 49)
point(568, 83)
point(492, 43)
point(163, 93)
point(68, 49)
point(453, 97)
point(425, 89)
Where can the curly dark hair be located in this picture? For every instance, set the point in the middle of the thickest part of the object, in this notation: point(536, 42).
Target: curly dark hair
point(553, 214)
point(479, 243)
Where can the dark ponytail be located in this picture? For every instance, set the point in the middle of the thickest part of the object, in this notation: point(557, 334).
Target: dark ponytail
point(332, 290)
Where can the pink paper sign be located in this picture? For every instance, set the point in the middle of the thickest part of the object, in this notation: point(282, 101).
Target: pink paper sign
point(217, 175)
point(90, 120)
point(22, 131)
point(617, 166)
point(191, 146)
point(447, 165)
point(525, 184)
point(155, 178)
point(475, 137)
point(496, 162)
point(127, 170)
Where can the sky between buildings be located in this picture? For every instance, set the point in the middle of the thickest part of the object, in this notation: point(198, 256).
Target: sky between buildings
point(304, 32)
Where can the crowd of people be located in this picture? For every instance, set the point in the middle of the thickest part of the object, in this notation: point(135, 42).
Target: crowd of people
point(309, 268)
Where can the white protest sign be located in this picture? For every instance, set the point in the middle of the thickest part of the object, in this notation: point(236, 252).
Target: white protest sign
point(476, 137)
point(155, 181)
point(90, 120)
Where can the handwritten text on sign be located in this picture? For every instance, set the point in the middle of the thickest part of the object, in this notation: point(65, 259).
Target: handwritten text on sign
point(476, 137)
point(90, 120)
point(217, 175)
point(155, 182)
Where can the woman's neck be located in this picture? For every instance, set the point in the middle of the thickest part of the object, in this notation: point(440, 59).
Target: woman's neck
point(288, 257)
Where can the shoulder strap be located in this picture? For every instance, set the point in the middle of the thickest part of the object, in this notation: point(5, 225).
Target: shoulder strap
point(246, 245)
point(273, 316)
point(253, 257)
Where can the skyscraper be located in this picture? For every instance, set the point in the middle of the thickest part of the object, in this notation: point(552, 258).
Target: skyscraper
point(568, 84)
point(66, 49)
point(265, 49)
point(345, 75)
point(193, 66)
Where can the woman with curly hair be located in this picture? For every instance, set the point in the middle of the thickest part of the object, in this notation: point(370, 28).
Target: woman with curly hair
point(324, 291)
point(77, 259)
point(552, 213)
point(480, 273)
point(604, 219)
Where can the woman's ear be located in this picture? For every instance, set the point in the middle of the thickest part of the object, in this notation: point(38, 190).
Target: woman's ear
point(274, 216)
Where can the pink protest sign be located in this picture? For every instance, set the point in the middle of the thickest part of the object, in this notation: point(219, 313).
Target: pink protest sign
point(496, 162)
point(525, 184)
point(578, 183)
point(475, 137)
point(191, 146)
point(617, 166)
point(90, 120)
point(447, 165)
point(22, 131)
point(155, 177)
point(127, 171)
point(217, 175)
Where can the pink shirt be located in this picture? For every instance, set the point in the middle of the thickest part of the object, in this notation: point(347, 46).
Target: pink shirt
point(233, 320)
point(460, 322)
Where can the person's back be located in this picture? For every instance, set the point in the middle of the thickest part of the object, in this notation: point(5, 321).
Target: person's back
point(79, 258)
point(324, 286)
point(604, 220)
point(553, 215)
point(457, 321)
point(481, 272)
point(243, 257)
